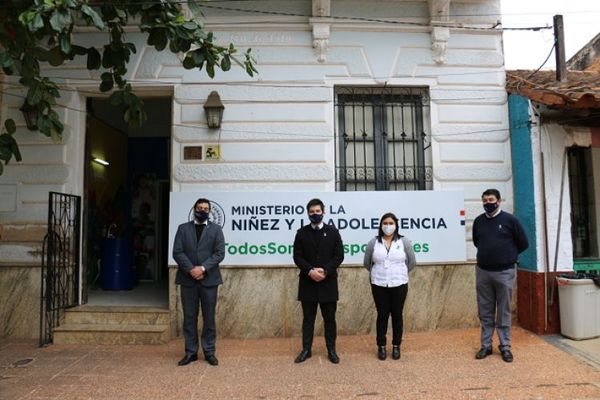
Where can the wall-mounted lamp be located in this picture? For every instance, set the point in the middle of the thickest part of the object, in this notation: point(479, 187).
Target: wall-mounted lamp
point(31, 115)
point(100, 161)
point(214, 110)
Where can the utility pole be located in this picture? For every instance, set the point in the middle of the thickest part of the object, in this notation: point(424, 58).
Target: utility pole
point(559, 50)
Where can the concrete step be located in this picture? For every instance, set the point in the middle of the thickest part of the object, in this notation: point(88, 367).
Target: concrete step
point(113, 325)
point(116, 315)
point(111, 334)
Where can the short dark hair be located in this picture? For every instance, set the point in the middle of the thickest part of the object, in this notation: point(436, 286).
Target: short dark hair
point(315, 202)
point(202, 200)
point(491, 192)
point(380, 232)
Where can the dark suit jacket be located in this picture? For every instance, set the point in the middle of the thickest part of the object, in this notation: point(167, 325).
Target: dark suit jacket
point(208, 252)
point(328, 252)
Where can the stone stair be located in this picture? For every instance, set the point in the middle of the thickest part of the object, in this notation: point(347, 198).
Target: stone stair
point(113, 325)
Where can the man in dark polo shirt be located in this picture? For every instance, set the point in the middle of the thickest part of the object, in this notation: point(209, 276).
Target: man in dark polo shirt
point(499, 238)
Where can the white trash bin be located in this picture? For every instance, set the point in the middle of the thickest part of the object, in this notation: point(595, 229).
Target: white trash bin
point(579, 302)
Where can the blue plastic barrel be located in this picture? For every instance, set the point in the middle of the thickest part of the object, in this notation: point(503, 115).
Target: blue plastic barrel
point(116, 271)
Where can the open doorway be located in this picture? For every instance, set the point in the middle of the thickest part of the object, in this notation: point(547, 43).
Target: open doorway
point(126, 209)
point(584, 168)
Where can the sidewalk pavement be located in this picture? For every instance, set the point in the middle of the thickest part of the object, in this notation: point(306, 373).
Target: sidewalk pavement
point(434, 365)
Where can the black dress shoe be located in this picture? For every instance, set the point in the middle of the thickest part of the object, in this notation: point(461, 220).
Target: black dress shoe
point(188, 358)
point(506, 355)
point(304, 354)
point(381, 353)
point(212, 360)
point(333, 357)
point(483, 353)
point(396, 352)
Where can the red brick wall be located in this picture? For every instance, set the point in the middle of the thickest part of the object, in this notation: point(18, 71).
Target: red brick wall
point(531, 302)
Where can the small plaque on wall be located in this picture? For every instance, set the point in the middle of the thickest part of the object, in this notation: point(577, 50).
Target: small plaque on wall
point(213, 152)
point(193, 153)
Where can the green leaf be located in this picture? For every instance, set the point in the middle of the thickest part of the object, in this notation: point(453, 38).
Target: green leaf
point(116, 99)
point(5, 140)
point(195, 8)
point(189, 63)
point(79, 50)
point(36, 23)
point(26, 16)
point(191, 25)
point(43, 124)
point(5, 58)
point(55, 57)
point(10, 126)
point(34, 95)
point(128, 98)
point(65, 44)
point(226, 63)
point(55, 134)
point(55, 119)
point(119, 81)
point(107, 58)
point(184, 45)
point(60, 20)
point(116, 34)
point(89, 11)
point(14, 147)
point(93, 60)
point(210, 70)
point(106, 86)
point(198, 57)
point(5, 153)
point(158, 39)
point(130, 47)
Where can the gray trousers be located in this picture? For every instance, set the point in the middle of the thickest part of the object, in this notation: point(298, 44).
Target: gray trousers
point(192, 298)
point(494, 297)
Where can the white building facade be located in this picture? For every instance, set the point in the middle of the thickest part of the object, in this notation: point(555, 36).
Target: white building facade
point(431, 72)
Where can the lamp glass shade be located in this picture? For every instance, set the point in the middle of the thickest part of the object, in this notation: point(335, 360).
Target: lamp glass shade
point(214, 110)
point(214, 117)
point(30, 114)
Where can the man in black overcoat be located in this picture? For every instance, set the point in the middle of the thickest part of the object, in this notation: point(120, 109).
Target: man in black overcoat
point(318, 251)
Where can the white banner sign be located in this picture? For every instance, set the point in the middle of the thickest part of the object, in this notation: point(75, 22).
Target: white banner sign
point(259, 228)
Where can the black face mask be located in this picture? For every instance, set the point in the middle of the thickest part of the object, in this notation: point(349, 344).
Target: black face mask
point(316, 218)
point(490, 207)
point(201, 215)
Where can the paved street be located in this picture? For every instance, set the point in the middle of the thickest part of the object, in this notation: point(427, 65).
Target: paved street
point(434, 365)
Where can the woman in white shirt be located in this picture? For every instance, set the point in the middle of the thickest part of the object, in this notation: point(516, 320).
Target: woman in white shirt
point(389, 257)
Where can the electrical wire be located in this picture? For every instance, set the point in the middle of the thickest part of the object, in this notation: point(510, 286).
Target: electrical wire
point(451, 15)
point(211, 5)
point(329, 136)
point(545, 61)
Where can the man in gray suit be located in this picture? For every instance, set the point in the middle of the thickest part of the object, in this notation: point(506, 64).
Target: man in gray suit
point(198, 249)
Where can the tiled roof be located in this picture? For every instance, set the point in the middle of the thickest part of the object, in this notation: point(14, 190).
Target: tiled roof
point(581, 90)
point(594, 66)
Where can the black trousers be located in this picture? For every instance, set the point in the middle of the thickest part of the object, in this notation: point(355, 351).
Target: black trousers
point(309, 312)
point(192, 298)
point(389, 300)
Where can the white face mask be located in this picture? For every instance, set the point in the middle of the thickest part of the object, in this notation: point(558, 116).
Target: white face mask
point(388, 229)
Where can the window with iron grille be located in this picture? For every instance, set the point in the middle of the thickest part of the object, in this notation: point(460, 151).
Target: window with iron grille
point(381, 139)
